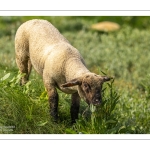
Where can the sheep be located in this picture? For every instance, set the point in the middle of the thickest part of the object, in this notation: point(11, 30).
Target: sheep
point(39, 44)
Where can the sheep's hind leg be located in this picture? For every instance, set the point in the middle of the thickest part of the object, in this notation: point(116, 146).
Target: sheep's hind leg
point(24, 65)
point(29, 68)
point(75, 104)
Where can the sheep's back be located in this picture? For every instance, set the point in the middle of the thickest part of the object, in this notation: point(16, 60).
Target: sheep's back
point(32, 39)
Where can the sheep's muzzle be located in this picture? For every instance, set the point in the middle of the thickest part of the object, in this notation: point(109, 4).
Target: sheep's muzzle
point(96, 102)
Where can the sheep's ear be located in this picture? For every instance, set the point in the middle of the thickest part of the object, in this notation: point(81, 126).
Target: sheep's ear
point(71, 83)
point(105, 78)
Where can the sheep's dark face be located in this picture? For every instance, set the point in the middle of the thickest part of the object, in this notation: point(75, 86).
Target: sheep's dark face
point(89, 87)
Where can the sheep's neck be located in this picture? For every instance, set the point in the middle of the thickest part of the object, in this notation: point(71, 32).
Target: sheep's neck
point(76, 69)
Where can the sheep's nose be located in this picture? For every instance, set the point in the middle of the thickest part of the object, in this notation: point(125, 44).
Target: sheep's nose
point(96, 102)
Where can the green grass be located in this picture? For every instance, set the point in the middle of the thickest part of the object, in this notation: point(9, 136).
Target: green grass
point(123, 54)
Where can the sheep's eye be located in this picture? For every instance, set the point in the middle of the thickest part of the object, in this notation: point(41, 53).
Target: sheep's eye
point(85, 85)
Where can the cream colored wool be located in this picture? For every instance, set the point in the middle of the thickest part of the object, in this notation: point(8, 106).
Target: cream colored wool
point(39, 44)
point(50, 53)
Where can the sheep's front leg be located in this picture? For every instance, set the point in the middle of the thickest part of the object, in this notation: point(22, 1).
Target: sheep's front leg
point(53, 102)
point(75, 104)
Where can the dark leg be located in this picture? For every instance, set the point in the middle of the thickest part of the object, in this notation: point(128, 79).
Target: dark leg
point(75, 104)
point(53, 103)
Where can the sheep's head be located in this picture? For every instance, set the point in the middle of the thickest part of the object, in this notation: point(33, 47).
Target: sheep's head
point(89, 87)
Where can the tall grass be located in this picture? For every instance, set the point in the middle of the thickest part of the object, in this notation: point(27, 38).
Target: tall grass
point(24, 109)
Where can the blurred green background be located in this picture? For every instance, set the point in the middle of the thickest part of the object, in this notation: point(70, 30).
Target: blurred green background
point(9, 24)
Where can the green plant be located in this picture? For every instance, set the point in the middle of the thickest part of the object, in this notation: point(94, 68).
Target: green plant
point(23, 109)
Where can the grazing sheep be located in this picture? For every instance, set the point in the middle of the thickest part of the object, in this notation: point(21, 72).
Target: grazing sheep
point(39, 44)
